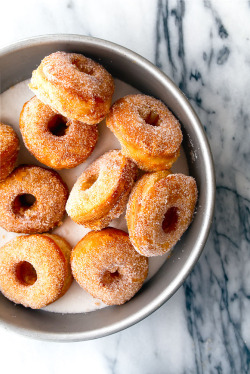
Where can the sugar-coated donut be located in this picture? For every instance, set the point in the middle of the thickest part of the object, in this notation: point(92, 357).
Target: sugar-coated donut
point(35, 269)
point(32, 200)
point(160, 209)
point(74, 86)
point(101, 192)
point(54, 140)
point(148, 132)
point(9, 148)
point(106, 265)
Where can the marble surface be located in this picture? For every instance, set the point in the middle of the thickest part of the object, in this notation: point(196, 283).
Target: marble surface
point(203, 45)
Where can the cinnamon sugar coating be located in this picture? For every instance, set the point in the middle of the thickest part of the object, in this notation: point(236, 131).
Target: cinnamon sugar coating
point(148, 132)
point(106, 265)
point(101, 193)
point(38, 123)
point(9, 148)
point(47, 189)
point(74, 86)
point(159, 211)
point(35, 269)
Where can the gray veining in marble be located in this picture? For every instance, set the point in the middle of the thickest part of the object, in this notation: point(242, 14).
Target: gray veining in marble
point(204, 46)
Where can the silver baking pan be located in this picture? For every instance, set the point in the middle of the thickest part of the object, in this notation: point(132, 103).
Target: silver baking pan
point(16, 64)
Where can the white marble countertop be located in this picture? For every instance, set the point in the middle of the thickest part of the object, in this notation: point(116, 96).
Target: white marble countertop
point(203, 45)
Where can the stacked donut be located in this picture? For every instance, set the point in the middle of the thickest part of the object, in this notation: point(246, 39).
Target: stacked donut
point(59, 127)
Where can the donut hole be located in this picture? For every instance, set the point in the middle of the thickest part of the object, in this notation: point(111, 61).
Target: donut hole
point(89, 182)
point(170, 220)
point(26, 273)
point(58, 125)
point(22, 203)
point(150, 116)
point(83, 68)
point(110, 277)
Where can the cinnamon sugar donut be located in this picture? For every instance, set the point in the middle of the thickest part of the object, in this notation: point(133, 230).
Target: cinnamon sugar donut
point(9, 147)
point(148, 132)
point(101, 193)
point(160, 209)
point(55, 141)
point(74, 86)
point(35, 269)
point(106, 265)
point(32, 200)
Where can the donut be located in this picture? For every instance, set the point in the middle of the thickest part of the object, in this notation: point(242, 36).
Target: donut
point(54, 140)
point(32, 200)
point(35, 269)
point(74, 86)
point(9, 148)
point(101, 192)
point(106, 265)
point(159, 211)
point(148, 132)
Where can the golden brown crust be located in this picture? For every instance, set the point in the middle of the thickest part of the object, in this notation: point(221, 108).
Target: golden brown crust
point(9, 148)
point(49, 191)
point(159, 211)
point(101, 192)
point(107, 266)
point(74, 86)
point(65, 248)
point(35, 270)
point(58, 152)
point(148, 132)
